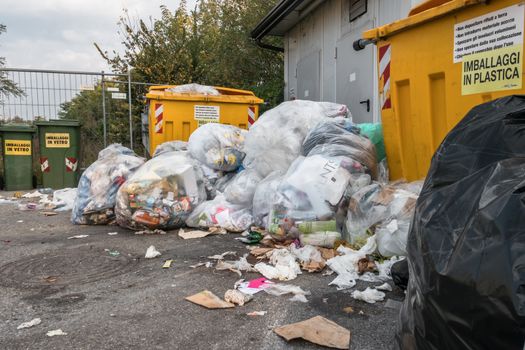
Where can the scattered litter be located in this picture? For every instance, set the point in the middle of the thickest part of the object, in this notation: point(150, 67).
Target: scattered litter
point(50, 279)
point(30, 207)
point(278, 289)
point(194, 234)
point(208, 264)
point(254, 286)
point(209, 300)
point(317, 330)
point(366, 264)
point(64, 199)
point(78, 236)
point(152, 252)
point(309, 257)
point(252, 238)
point(361, 312)
point(49, 213)
point(7, 201)
point(112, 253)
point(20, 221)
point(348, 310)
point(235, 266)
point(55, 332)
point(112, 233)
point(236, 297)
point(328, 272)
point(33, 322)
point(197, 265)
point(156, 231)
point(34, 194)
point(167, 264)
point(285, 267)
point(17, 195)
point(260, 252)
point(369, 295)
point(221, 256)
point(257, 313)
point(384, 287)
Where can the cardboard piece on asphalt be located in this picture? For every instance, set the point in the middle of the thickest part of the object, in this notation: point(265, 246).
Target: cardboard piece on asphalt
point(209, 300)
point(317, 330)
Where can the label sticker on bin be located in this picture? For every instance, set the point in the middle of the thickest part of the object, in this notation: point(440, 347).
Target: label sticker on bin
point(57, 140)
point(17, 147)
point(492, 31)
point(207, 113)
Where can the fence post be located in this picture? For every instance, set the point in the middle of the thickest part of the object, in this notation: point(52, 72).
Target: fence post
point(104, 110)
point(130, 114)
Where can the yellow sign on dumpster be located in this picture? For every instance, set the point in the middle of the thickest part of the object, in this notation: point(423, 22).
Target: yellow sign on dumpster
point(17, 147)
point(57, 140)
point(495, 70)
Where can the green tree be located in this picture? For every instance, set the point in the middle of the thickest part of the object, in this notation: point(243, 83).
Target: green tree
point(209, 45)
point(7, 86)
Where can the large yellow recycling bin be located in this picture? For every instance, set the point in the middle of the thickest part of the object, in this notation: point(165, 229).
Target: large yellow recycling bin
point(435, 65)
point(174, 116)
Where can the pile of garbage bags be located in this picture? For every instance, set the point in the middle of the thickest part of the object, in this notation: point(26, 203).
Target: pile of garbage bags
point(161, 194)
point(303, 171)
point(466, 246)
point(99, 184)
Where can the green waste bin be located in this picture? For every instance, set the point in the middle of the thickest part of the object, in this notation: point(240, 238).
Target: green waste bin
point(17, 149)
point(59, 142)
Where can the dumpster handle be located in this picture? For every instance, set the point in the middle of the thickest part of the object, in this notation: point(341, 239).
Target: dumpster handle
point(360, 44)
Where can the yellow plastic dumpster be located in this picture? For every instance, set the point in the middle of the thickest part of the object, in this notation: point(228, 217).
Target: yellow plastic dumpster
point(435, 65)
point(174, 116)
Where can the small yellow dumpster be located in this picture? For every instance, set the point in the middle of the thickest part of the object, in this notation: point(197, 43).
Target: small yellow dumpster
point(175, 115)
point(435, 65)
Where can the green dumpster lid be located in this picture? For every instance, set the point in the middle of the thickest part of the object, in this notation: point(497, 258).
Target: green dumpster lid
point(58, 122)
point(17, 127)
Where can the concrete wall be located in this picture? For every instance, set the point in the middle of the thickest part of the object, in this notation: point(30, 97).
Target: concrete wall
point(320, 63)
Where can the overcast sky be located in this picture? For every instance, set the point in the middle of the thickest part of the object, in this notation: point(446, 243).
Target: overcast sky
point(59, 34)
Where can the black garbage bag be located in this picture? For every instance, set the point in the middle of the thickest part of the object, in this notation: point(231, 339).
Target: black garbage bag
point(466, 248)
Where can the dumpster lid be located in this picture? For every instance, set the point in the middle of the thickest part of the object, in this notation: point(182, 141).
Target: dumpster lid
point(227, 95)
point(423, 13)
point(17, 127)
point(58, 122)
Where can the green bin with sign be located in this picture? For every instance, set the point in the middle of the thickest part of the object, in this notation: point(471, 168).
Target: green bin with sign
point(59, 142)
point(17, 151)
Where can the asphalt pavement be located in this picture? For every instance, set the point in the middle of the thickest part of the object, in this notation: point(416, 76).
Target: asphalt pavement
point(128, 302)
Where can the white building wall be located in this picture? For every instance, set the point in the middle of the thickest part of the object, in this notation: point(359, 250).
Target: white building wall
point(326, 34)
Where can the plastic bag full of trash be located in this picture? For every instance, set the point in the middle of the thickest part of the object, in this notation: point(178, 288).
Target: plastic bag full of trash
point(161, 194)
point(218, 146)
point(339, 137)
point(276, 139)
point(194, 89)
point(170, 146)
point(383, 209)
point(98, 185)
point(241, 188)
point(220, 213)
point(309, 193)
